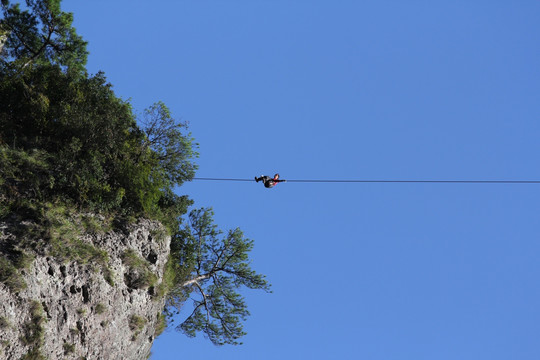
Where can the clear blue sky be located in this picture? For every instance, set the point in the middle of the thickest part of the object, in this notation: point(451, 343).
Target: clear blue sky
point(354, 90)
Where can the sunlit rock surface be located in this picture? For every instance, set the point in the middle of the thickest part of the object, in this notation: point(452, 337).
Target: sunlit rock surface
point(74, 311)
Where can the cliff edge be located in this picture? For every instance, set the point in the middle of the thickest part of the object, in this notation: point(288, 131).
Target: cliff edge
point(102, 308)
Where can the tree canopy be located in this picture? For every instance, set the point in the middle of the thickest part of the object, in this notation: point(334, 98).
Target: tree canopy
point(92, 149)
point(214, 265)
point(43, 34)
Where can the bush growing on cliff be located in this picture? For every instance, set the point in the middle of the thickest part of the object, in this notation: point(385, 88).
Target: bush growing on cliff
point(33, 329)
point(4, 323)
point(100, 308)
point(68, 348)
point(139, 275)
point(10, 276)
point(136, 325)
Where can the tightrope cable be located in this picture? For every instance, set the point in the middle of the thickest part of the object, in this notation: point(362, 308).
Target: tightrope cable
point(389, 181)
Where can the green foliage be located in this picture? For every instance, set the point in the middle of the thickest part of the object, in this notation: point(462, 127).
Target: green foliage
point(136, 324)
point(100, 308)
point(43, 34)
point(214, 267)
point(108, 275)
point(64, 226)
point(34, 354)
point(161, 324)
point(33, 330)
point(13, 259)
point(10, 276)
point(93, 224)
point(4, 323)
point(139, 275)
point(169, 280)
point(170, 147)
point(87, 135)
point(158, 235)
point(83, 146)
point(56, 230)
point(68, 348)
point(80, 251)
point(23, 175)
point(64, 134)
point(23, 260)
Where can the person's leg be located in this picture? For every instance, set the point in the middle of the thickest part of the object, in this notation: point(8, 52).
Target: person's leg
point(262, 178)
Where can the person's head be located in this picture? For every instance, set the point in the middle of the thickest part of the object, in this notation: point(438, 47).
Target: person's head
point(276, 176)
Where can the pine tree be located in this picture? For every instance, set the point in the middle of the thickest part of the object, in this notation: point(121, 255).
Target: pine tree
point(41, 34)
point(217, 266)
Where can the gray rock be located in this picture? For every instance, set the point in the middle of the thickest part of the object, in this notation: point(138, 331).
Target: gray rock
point(70, 311)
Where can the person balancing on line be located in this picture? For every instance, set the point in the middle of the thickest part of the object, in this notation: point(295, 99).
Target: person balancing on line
point(268, 181)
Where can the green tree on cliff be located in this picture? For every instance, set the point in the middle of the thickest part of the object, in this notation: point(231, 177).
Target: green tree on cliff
point(214, 266)
point(92, 150)
point(43, 35)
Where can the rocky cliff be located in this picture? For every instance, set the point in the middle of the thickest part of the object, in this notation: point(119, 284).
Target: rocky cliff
point(72, 309)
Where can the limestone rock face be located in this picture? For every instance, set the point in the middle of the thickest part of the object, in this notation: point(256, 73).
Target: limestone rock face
point(70, 310)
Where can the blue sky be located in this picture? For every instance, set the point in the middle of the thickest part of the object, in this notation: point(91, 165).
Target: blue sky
point(354, 90)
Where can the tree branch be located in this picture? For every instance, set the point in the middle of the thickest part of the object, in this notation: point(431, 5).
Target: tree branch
point(224, 323)
point(204, 296)
point(196, 280)
point(19, 37)
point(46, 43)
point(229, 258)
